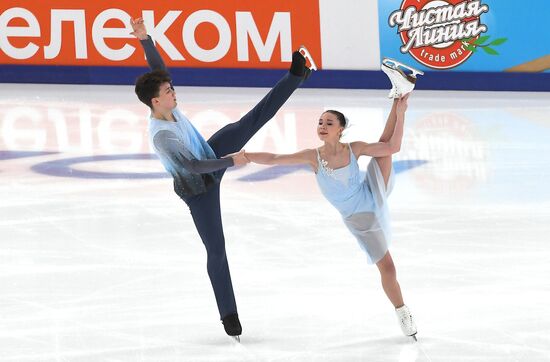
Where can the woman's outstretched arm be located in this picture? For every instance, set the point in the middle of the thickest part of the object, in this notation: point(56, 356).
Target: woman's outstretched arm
point(389, 143)
point(302, 157)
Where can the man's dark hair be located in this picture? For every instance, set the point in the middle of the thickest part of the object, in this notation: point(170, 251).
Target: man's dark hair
point(148, 85)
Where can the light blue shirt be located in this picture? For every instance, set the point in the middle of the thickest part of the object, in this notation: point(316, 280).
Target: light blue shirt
point(186, 155)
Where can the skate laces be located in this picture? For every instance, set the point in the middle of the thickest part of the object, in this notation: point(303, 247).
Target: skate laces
point(394, 92)
point(396, 74)
point(406, 320)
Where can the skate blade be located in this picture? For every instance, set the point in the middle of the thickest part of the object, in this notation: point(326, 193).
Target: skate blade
point(394, 64)
point(414, 337)
point(308, 56)
point(237, 339)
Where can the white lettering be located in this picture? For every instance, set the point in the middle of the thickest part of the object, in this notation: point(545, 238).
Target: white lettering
point(411, 18)
point(99, 33)
point(32, 30)
point(439, 26)
point(157, 31)
point(421, 37)
point(58, 17)
point(224, 43)
point(280, 28)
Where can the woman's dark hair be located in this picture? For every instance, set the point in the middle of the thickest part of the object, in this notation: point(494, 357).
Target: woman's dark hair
point(339, 116)
point(148, 85)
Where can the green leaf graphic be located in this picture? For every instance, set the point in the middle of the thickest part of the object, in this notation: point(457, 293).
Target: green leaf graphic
point(498, 41)
point(470, 48)
point(490, 50)
point(481, 40)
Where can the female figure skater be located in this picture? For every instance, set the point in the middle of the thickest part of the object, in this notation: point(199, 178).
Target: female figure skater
point(362, 203)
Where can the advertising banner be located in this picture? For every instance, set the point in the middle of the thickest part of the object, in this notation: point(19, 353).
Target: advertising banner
point(471, 35)
point(191, 33)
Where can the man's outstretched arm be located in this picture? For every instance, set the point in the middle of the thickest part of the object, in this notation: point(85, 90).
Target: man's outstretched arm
point(151, 53)
point(172, 148)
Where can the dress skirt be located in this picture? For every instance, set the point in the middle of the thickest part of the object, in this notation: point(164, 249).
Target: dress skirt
point(372, 229)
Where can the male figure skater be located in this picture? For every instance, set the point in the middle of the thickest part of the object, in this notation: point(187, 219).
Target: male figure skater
point(195, 164)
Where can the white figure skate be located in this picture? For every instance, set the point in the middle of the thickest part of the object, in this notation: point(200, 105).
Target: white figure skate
point(307, 55)
point(402, 83)
point(406, 321)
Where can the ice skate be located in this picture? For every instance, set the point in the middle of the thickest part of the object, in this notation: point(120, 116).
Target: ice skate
point(232, 326)
point(402, 83)
point(303, 50)
point(300, 66)
point(406, 321)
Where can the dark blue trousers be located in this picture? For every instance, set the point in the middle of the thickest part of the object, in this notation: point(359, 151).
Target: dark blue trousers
point(205, 208)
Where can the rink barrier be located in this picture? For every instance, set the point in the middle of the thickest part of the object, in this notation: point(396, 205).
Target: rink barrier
point(231, 77)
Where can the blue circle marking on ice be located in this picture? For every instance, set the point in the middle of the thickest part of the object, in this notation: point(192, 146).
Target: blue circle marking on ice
point(64, 167)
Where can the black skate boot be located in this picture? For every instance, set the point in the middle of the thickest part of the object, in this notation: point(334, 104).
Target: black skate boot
point(232, 326)
point(299, 65)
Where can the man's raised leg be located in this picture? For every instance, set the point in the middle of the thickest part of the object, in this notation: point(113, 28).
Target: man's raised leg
point(234, 136)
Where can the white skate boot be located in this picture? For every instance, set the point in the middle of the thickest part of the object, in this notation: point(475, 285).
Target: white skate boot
point(402, 83)
point(406, 321)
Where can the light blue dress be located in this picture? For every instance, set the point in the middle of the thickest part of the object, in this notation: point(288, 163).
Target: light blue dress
point(361, 202)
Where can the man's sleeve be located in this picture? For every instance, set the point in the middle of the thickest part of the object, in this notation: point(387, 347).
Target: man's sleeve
point(171, 147)
point(151, 53)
